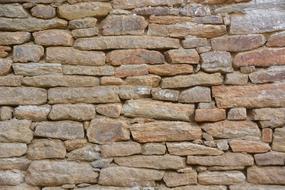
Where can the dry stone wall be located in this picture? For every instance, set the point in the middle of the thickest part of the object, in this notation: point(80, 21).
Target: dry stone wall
point(142, 94)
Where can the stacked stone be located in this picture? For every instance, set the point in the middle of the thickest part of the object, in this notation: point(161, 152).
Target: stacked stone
point(142, 95)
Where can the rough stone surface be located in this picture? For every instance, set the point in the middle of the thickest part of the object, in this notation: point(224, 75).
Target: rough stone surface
point(221, 178)
point(278, 140)
point(266, 175)
point(27, 53)
point(217, 61)
point(53, 37)
point(173, 179)
point(35, 69)
point(210, 115)
point(274, 73)
point(249, 146)
point(183, 56)
point(43, 11)
point(195, 94)
point(12, 149)
point(34, 113)
point(121, 149)
point(13, 38)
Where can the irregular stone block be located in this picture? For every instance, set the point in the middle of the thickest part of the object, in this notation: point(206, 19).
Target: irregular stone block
point(227, 159)
point(109, 110)
point(217, 61)
point(269, 117)
point(60, 129)
point(88, 70)
point(266, 175)
point(249, 146)
point(153, 149)
point(170, 70)
point(34, 69)
point(250, 96)
point(274, 73)
point(147, 80)
point(174, 179)
point(53, 37)
point(136, 56)
point(5, 66)
point(82, 95)
point(165, 94)
point(131, 70)
point(86, 153)
point(123, 25)
point(43, 11)
point(14, 38)
point(22, 96)
point(221, 178)
point(183, 56)
point(12, 150)
point(238, 43)
point(30, 24)
point(124, 4)
point(279, 140)
point(157, 110)
point(235, 114)
point(85, 9)
point(155, 162)
point(16, 131)
point(71, 56)
point(121, 149)
point(134, 92)
point(51, 172)
point(210, 115)
point(14, 164)
point(27, 53)
point(203, 79)
point(46, 148)
point(187, 148)
point(161, 131)
point(13, 11)
point(87, 22)
point(232, 129)
point(256, 187)
point(236, 78)
point(129, 177)
point(262, 57)
point(11, 178)
point(34, 113)
point(105, 130)
point(270, 158)
point(125, 42)
point(11, 80)
point(276, 40)
point(195, 94)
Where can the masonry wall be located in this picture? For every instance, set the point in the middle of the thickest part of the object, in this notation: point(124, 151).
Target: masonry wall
point(142, 94)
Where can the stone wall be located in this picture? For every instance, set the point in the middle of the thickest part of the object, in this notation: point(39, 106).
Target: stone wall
point(142, 94)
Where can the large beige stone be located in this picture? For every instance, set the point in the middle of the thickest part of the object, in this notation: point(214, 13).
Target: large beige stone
point(201, 78)
point(46, 149)
point(34, 113)
point(85, 153)
point(145, 80)
point(30, 24)
point(190, 56)
point(249, 146)
point(257, 21)
point(129, 177)
point(5, 66)
point(60, 129)
point(262, 57)
point(266, 175)
point(34, 69)
point(80, 112)
point(221, 178)
point(13, 11)
point(121, 149)
point(27, 53)
point(16, 131)
point(276, 39)
point(22, 186)
point(157, 110)
point(14, 163)
point(126, 42)
point(71, 56)
point(250, 96)
point(105, 130)
point(51, 172)
point(10, 177)
point(125, 4)
point(170, 69)
point(160, 131)
point(13, 38)
point(134, 56)
point(232, 129)
point(270, 158)
point(104, 70)
point(11, 80)
point(210, 115)
point(12, 150)
point(187, 28)
point(279, 140)
point(123, 25)
point(85, 9)
point(165, 94)
point(187, 148)
point(109, 110)
point(238, 43)
point(225, 160)
point(53, 37)
point(269, 117)
point(43, 11)
point(174, 179)
point(274, 73)
point(217, 61)
point(154, 162)
point(60, 80)
point(195, 94)
point(82, 95)
point(198, 187)
point(256, 187)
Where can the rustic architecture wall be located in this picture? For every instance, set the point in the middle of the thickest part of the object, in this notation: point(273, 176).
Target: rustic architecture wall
point(142, 95)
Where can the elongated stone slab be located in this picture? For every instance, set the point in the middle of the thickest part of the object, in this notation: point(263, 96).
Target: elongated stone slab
point(158, 110)
point(126, 42)
point(266, 175)
point(161, 131)
point(50, 172)
point(22, 96)
point(125, 4)
point(16, 131)
point(250, 96)
point(11, 38)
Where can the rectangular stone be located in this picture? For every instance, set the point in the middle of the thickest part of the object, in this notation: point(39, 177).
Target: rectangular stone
point(51, 172)
point(272, 74)
point(83, 95)
point(16, 131)
point(60, 80)
point(60, 129)
point(158, 110)
point(270, 158)
point(22, 96)
point(125, 4)
point(11, 80)
point(12, 150)
point(266, 175)
point(258, 21)
point(279, 140)
point(126, 42)
point(221, 178)
point(161, 131)
point(72, 56)
point(256, 187)
point(34, 69)
point(88, 70)
point(34, 113)
point(227, 159)
point(269, 117)
point(185, 29)
point(250, 96)
point(202, 79)
point(14, 38)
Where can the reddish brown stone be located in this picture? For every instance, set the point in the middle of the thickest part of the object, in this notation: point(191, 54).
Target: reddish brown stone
point(276, 40)
point(170, 69)
point(249, 146)
point(131, 70)
point(250, 96)
point(267, 135)
point(262, 57)
point(203, 115)
point(183, 56)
